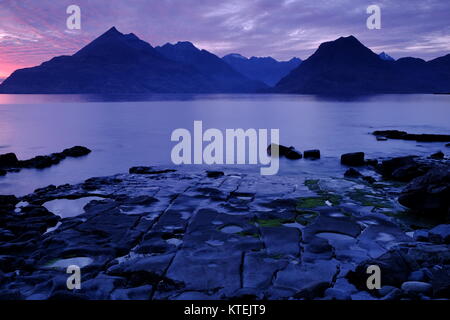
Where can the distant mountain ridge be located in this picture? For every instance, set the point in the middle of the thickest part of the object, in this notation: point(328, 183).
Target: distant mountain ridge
point(346, 66)
point(264, 69)
point(122, 63)
point(210, 65)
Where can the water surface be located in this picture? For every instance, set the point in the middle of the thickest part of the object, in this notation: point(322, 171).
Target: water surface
point(125, 133)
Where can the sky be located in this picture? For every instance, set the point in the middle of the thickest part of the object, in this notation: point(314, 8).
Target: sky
point(33, 31)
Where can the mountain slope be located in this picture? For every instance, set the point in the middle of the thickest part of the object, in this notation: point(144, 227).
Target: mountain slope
point(346, 66)
point(222, 75)
point(113, 63)
point(267, 69)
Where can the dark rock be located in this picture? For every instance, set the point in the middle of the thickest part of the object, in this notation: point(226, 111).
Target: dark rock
point(8, 200)
point(448, 145)
point(440, 234)
point(402, 168)
point(403, 135)
point(289, 153)
point(149, 170)
point(77, 151)
point(429, 193)
point(440, 281)
point(372, 162)
point(2, 172)
point(369, 179)
point(214, 174)
point(438, 155)
point(421, 235)
point(8, 160)
point(311, 154)
point(416, 287)
point(352, 173)
point(395, 268)
point(353, 159)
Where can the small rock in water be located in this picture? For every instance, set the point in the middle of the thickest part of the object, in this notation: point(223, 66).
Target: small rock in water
point(8, 160)
point(312, 154)
point(352, 173)
point(289, 153)
point(353, 159)
point(77, 151)
point(149, 170)
point(416, 287)
point(438, 155)
point(214, 174)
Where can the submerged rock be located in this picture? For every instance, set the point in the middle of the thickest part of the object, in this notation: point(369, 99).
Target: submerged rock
point(149, 170)
point(287, 152)
point(9, 161)
point(352, 173)
point(312, 154)
point(355, 159)
point(403, 135)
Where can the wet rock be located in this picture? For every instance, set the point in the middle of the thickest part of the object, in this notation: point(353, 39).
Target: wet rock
point(440, 234)
point(77, 151)
point(149, 170)
point(2, 172)
point(353, 159)
point(416, 287)
point(421, 235)
point(372, 162)
point(8, 160)
point(311, 154)
point(8, 201)
point(395, 268)
point(352, 173)
point(402, 168)
point(403, 135)
point(214, 174)
point(448, 145)
point(440, 281)
point(430, 193)
point(287, 152)
point(438, 155)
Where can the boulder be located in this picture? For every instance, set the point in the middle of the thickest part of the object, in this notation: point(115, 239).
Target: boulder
point(440, 234)
point(438, 155)
point(352, 173)
point(8, 160)
point(429, 193)
point(77, 151)
point(312, 154)
point(416, 287)
point(353, 159)
point(287, 152)
point(402, 169)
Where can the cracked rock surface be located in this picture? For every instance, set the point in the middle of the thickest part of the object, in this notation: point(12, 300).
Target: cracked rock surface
point(174, 234)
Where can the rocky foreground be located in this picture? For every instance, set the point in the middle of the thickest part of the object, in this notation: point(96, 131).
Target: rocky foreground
point(177, 233)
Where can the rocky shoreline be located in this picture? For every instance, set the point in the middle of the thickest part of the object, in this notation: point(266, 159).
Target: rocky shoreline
point(182, 233)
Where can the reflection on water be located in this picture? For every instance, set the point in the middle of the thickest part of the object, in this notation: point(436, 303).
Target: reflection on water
point(124, 134)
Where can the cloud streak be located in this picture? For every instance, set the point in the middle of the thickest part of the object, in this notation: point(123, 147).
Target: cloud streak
point(34, 31)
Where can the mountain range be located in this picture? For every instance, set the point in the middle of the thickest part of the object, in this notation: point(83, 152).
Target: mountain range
point(122, 63)
point(346, 66)
point(264, 69)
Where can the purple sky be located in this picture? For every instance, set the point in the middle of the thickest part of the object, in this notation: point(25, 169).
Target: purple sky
point(32, 31)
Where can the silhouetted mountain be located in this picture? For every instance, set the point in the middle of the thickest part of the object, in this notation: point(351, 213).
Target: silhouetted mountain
point(265, 69)
point(345, 66)
point(222, 75)
point(385, 56)
point(118, 63)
